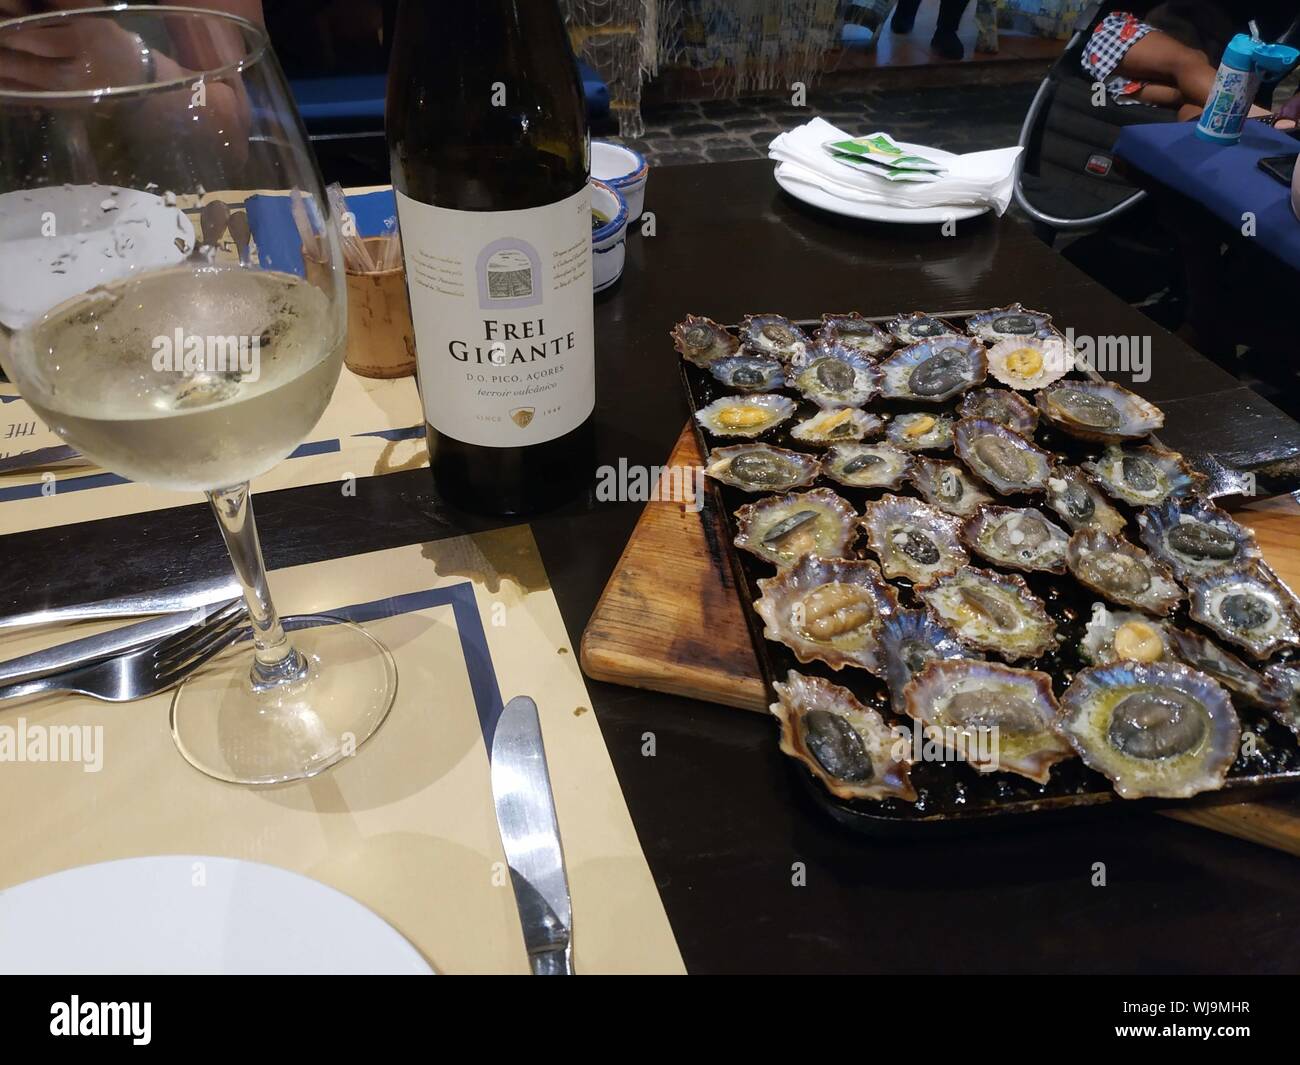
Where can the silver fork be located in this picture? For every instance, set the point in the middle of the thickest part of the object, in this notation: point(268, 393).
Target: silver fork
point(146, 670)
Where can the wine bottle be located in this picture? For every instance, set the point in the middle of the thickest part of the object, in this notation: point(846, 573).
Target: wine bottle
point(490, 153)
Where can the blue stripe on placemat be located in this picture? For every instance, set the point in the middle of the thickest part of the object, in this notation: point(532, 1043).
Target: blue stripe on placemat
point(105, 480)
point(316, 447)
point(469, 627)
point(68, 484)
point(409, 433)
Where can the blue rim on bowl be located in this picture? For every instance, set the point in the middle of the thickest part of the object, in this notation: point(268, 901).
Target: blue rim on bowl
point(618, 221)
point(631, 178)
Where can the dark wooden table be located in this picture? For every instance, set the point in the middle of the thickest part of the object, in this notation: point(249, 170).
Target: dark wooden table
point(722, 820)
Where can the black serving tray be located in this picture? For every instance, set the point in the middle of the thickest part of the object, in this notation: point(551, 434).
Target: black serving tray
point(952, 795)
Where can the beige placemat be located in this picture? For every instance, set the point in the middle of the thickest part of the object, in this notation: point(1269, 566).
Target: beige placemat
point(370, 427)
point(407, 826)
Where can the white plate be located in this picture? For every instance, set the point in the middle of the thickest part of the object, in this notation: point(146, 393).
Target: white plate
point(878, 212)
point(190, 914)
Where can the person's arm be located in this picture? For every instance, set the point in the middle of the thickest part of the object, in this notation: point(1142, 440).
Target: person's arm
point(95, 52)
point(248, 9)
point(1166, 64)
point(1176, 75)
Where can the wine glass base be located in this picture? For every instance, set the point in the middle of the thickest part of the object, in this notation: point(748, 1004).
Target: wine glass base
point(226, 729)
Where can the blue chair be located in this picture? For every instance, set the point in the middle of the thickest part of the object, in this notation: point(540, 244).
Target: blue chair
point(354, 104)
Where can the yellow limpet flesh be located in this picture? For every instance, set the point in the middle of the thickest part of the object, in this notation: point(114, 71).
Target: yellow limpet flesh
point(834, 611)
point(1025, 362)
point(919, 426)
point(743, 417)
point(968, 613)
point(1138, 642)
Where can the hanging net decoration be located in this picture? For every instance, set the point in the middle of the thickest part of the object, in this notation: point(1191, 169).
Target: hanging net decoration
point(620, 39)
point(736, 45)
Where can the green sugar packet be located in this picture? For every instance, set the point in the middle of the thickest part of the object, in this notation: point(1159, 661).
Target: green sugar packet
point(868, 166)
point(881, 148)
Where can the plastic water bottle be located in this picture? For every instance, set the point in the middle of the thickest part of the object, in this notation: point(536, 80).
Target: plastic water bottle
point(1245, 61)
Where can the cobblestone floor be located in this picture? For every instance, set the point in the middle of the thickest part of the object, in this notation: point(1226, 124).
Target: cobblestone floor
point(962, 119)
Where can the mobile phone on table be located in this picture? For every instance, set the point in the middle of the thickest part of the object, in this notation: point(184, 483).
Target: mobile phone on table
point(1281, 167)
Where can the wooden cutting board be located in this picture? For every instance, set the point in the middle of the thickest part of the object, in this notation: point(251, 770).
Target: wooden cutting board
point(670, 620)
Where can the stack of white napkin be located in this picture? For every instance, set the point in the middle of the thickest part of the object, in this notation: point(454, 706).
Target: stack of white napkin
point(977, 179)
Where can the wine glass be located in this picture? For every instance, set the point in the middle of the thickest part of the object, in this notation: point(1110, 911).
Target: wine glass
point(170, 345)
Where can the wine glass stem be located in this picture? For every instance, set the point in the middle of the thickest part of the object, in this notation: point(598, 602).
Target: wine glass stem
point(275, 660)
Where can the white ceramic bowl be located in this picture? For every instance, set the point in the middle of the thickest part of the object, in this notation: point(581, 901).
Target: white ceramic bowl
point(624, 169)
point(609, 242)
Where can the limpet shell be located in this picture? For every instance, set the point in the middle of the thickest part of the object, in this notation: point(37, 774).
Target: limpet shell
point(998, 718)
point(1159, 730)
point(835, 376)
point(855, 332)
point(908, 640)
point(1194, 538)
point(918, 431)
point(1029, 363)
point(782, 529)
point(992, 612)
point(1018, 537)
point(827, 610)
point(847, 746)
point(1206, 656)
point(934, 370)
point(762, 467)
point(748, 415)
point(749, 373)
point(836, 427)
point(1000, 457)
point(1099, 410)
point(1246, 607)
point(913, 540)
point(1010, 322)
point(1143, 476)
point(1286, 682)
point(775, 335)
point(1122, 572)
point(1125, 636)
point(702, 341)
point(1076, 499)
point(1003, 406)
point(917, 326)
point(866, 465)
point(947, 486)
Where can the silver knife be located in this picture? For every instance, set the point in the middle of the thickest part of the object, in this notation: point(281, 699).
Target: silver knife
point(186, 597)
point(521, 788)
point(43, 456)
point(93, 648)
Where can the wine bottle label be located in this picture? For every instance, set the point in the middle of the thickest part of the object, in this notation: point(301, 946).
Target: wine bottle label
point(502, 307)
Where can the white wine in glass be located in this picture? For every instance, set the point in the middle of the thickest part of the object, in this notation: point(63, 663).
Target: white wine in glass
point(89, 368)
point(177, 362)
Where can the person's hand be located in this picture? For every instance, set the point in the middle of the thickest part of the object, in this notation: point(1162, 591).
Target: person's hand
point(85, 53)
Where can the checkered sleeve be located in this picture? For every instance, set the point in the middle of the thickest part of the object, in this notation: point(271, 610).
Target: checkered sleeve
point(1110, 42)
